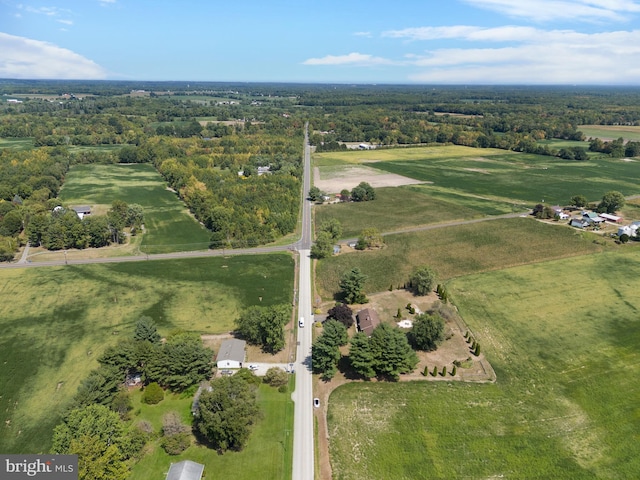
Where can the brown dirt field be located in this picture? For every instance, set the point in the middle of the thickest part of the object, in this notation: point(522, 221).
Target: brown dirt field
point(351, 177)
point(453, 348)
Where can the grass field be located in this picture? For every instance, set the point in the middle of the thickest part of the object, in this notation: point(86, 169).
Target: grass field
point(57, 320)
point(168, 225)
point(409, 206)
point(268, 454)
point(458, 250)
point(628, 132)
point(25, 143)
point(564, 339)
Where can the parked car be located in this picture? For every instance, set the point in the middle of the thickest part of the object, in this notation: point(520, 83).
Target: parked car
point(316, 402)
point(253, 368)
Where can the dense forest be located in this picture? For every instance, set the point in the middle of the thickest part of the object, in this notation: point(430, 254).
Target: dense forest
point(233, 152)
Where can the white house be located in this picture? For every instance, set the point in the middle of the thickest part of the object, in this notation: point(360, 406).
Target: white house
point(231, 354)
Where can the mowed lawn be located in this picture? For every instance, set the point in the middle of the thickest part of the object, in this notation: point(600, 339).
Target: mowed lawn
point(168, 225)
point(564, 339)
point(518, 177)
point(57, 320)
point(408, 206)
point(454, 251)
point(267, 455)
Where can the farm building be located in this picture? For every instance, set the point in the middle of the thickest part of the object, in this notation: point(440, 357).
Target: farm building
point(579, 222)
point(592, 218)
point(231, 354)
point(610, 218)
point(367, 320)
point(631, 230)
point(185, 470)
point(82, 211)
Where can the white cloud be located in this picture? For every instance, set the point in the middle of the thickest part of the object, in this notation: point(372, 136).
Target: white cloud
point(363, 34)
point(545, 57)
point(354, 58)
point(66, 22)
point(550, 10)
point(22, 57)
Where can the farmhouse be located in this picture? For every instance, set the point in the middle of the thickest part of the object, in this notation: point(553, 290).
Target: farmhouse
point(367, 320)
point(82, 211)
point(185, 470)
point(231, 354)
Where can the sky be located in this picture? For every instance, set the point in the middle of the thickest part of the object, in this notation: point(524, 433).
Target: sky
point(525, 42)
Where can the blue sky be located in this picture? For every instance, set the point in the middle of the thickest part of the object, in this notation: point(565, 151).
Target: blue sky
point(348, 41)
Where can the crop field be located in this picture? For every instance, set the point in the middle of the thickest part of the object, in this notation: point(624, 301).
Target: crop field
point(168, 225)
point(565, 405)
point(408, 206)
point(456, 251)
point(267, 455)
point(57, 320)
point(518, 177)
point(327, 159)
point(611, 132)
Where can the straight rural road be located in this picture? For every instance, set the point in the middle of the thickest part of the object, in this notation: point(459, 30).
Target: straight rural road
point(303, 444)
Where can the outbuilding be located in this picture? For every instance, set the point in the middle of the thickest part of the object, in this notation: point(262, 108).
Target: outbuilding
point(185, 470)
point(231, 354)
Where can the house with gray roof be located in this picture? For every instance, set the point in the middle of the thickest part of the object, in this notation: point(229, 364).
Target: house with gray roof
point(231, 354)
point(185, 470)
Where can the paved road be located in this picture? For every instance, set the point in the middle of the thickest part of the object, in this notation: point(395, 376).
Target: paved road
point(303, 444)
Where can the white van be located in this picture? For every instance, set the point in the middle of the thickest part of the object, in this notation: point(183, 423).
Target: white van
point(301, 322)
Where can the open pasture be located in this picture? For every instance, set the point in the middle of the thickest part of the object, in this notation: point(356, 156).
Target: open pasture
point(611, 132)
point(409, 206)
point(25, 143)
point(565, 404)
point(169, 227)
point(456, 251)
point(267, 455)
point(57, 320)
point(518, 177)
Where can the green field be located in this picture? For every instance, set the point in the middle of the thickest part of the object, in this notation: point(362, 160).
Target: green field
point(17, 143)
point(57, 320)
point(564, 339)
point(434, 153)
point(628, 132)
point(268, 454)
point(505, 177)
point(409, 206)
point(518, 177)
point(458, 250)
point(168, 225)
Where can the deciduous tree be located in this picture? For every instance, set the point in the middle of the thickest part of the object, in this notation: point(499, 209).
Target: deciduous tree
point(427, 332)
point(422, 280)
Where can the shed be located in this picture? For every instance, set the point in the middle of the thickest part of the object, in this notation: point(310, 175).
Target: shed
point(367, 320)
point(611, 218)
point(82, 211)
point(185, 470)
point(231, 354)
point(579, 223)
